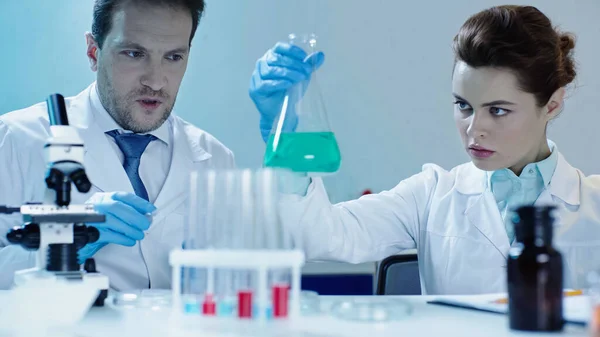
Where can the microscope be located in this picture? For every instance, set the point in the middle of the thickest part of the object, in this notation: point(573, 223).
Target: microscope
point(55, 228)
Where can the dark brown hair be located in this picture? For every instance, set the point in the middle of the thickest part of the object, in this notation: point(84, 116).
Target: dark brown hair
point(104, 10)
point(521, 39)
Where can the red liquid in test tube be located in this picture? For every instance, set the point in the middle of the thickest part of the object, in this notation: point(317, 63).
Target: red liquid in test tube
point(245, 304)
point(209, 307)
point(280, 300)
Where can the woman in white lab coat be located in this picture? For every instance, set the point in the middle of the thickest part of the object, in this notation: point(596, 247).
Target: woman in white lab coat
point(508, 82)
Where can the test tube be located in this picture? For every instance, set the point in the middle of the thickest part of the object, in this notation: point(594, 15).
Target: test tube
point(209, 306)
point(228, 215)
point(245, 303)
point(190, 302)
point(277, 240)
point(226, 297)
point(282, 280)
point(208, 236)
point(190, 233)
point(280, 295)
point(245, 241)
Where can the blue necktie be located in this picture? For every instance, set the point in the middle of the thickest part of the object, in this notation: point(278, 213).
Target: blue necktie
point(133, 145)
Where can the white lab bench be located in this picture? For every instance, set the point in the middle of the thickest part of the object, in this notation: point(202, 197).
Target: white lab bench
point(425, 320)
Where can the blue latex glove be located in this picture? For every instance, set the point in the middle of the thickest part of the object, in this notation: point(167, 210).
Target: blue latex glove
point(125, 222)
point(276, 71)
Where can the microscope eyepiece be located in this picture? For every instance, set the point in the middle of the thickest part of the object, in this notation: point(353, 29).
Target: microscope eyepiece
point(57, 110)
point(27, 236)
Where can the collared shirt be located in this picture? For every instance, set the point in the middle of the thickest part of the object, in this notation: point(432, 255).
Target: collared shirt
point(511, 191)
point(156, 160)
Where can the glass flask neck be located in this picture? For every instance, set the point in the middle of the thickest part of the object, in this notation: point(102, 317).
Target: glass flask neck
point(308, 42)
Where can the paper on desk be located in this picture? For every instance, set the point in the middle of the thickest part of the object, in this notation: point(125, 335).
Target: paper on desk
point(576, 309)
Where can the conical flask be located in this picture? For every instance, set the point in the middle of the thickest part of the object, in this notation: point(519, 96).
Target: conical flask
point(301, 139)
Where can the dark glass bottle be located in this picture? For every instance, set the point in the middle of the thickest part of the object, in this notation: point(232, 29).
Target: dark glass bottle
point(535, 273)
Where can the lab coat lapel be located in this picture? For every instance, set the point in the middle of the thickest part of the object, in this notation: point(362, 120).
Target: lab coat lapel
point(176, 187)
point(546, 199)
point(101, 162)
point(563, 189)
point(481, 209)
point(565, 183)
point(485, 216)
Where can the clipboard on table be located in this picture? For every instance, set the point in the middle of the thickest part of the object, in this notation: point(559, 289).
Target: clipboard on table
point(576, 306)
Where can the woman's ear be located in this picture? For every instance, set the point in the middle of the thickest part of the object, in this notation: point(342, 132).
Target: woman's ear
point(555, 104)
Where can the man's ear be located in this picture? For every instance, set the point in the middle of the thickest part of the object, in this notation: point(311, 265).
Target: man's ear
point(92, 50)
point(555, 103)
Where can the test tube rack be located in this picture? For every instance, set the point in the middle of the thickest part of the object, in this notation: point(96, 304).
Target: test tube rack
point(260, 261)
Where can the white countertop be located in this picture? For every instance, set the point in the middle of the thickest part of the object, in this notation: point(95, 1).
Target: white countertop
point(424, 320)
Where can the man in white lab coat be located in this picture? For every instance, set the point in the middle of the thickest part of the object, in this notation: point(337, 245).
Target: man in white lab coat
point(133, 144)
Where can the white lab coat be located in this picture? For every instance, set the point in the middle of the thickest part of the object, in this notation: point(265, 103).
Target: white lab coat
point(22, 168)
point(452, 219)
